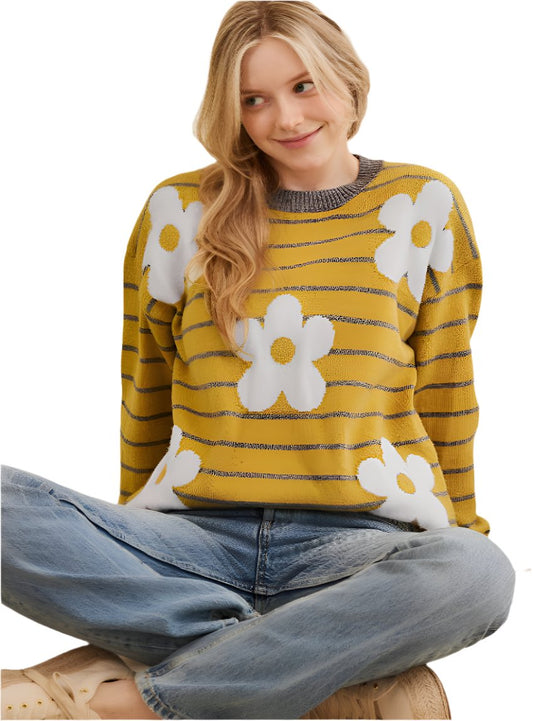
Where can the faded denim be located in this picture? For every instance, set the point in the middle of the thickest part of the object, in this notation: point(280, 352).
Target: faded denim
point(246, 612)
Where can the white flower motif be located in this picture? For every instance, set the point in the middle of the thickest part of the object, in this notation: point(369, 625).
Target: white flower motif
point(173, 470)
point(282, 354)
point(171, 243)
point(420, 239)
point(414, 504)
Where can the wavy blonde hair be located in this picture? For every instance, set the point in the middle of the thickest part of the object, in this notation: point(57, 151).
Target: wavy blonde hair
point(233, 233)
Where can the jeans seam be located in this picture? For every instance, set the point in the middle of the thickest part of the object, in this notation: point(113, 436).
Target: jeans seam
point(149, 695)
point(186, 657)
point(110, 529)
point(263, 551)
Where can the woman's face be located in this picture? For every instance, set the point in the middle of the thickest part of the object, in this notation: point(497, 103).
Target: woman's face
point(303, 132)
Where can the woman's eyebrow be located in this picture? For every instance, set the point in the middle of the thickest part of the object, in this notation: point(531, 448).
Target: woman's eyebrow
point(305, 74)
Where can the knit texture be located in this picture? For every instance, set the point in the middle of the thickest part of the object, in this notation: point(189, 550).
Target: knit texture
point(353, 390)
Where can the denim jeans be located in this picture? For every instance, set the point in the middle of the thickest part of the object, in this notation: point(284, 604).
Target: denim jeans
point(247, 612)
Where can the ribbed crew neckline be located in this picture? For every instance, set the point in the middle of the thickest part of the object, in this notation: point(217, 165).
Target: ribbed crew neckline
point(316, 201)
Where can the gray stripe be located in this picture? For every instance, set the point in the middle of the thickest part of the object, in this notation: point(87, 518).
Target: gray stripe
point(283, 446)
point(442, 386)
point(461, 442)
point(458, 499)
point(133, 349)
point(154, 417)
point(209, 354)
point(434, 281)
point(370, 386)
point(157, 321)
point(270, 446)
point(359, 321)
point(166, 307)
point(314, 288)
point(257, 504)
point(276, 476)
point(154, 389)
point(195, 297)
point(346, 288)
point(442, 326)
point(142, 471)
point(407, 176)
point(134, 318)
point(454, 291)
point(306, 243)
point(322, 261)
point(196, 326)
point(339, 318)
point(205, 386)
point(131, 286)
point(337, 216)
point(292, 416)
point(445, 356)
point(407, 310)
point(144, 444)
point(372, 354)
point(411, 442)
point(449, 414)
point(451, 471)
point(329, 384)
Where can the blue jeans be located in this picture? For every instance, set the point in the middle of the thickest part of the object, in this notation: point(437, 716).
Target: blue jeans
point(247, 612)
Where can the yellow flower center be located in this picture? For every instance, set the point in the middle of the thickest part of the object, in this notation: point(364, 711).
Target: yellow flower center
point(282, 350)
point(421, 234)
point(405, 483)
point(169, 238)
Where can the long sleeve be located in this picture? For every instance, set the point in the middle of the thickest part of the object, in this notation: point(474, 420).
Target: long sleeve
point(444, 396)
point(147, 357)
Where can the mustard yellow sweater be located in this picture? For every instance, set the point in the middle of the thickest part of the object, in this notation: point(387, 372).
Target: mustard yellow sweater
point(354, 388)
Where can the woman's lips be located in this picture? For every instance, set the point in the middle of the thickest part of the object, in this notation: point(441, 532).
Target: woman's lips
point(299, 141)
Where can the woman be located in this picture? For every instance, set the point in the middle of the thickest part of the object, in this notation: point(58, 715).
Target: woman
point(298, 419)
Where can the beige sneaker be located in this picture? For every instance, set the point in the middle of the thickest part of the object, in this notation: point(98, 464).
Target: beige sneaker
point(414, 694)
point(62, 687)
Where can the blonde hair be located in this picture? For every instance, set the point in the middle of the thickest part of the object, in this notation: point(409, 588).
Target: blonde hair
point(233, 233)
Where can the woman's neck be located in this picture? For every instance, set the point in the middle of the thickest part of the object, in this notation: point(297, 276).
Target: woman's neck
point(332, 175)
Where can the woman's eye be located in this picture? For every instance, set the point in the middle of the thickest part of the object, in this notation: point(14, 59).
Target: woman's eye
point(304, 87)
point(254, 100)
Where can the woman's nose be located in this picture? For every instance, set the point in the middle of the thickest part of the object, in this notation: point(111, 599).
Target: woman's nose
point(289, 114)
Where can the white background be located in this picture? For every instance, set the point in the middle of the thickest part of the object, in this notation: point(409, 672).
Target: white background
point(98, 102)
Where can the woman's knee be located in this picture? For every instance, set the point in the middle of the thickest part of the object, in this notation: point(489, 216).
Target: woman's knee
point(28, 515)
point(483, 572)
point(19, 487)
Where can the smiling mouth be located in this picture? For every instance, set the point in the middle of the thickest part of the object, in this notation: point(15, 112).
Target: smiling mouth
point(298, 140)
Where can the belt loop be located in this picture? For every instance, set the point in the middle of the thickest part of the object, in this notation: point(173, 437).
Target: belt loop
point(268, 514)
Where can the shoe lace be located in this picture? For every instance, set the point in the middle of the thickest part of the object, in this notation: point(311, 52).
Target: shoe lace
point(58, 688)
